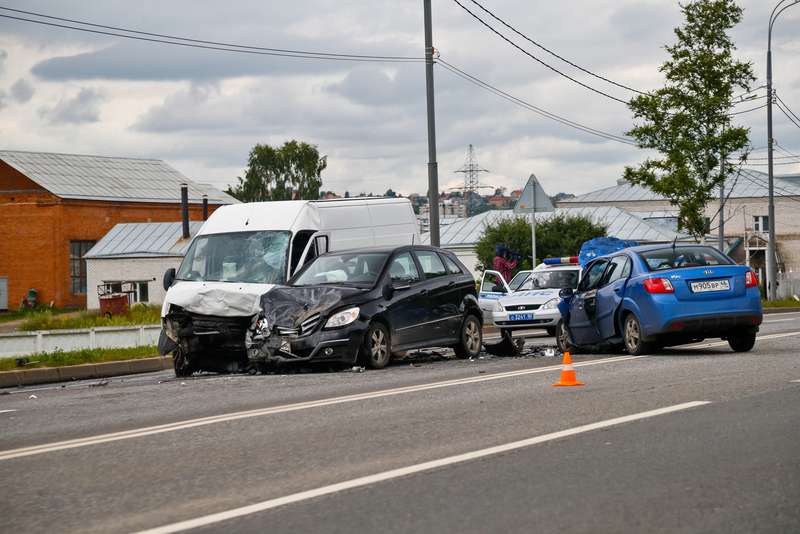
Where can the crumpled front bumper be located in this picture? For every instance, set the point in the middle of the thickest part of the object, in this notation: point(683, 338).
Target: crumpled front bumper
point(542, 318)
point(335, 345)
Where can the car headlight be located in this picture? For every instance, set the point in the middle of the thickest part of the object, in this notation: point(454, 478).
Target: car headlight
point(550, 304)
point(497, 306)
point(343, 318)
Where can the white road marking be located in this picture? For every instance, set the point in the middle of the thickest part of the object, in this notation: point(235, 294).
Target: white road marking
point(410, 470)
point(203, 421)
point(782, 320)
point(7, 411)
point(795, 381)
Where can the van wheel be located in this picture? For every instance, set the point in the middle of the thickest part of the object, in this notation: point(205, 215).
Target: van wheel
point(633, 337)
point(742, 342)
point(376, 350)
point(469, 345)
point(181, 364)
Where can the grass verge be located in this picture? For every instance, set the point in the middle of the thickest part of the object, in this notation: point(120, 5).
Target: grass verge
point(783, 303)
point(24, 313)
point(138, 314)
point(77, 357)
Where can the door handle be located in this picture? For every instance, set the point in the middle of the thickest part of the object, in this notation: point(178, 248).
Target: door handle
point(617, 290)
point(450, 283)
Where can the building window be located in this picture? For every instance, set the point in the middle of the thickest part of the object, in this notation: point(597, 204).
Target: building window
point(761, 223)
point(136, 291)
point(77, 265)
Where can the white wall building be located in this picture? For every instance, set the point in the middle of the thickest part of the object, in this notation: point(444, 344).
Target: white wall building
point(136, 255)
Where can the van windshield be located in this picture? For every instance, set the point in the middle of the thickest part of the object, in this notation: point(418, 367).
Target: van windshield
point(249, 257)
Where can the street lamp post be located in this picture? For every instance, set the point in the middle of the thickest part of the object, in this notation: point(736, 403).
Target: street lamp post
point(772, 266)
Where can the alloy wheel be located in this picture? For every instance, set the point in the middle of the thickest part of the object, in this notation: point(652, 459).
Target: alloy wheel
point(633, 334)
point(472, 336)
point(378, 346)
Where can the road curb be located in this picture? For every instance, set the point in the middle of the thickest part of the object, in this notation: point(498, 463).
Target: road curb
point(769, 311)
point(47, 375)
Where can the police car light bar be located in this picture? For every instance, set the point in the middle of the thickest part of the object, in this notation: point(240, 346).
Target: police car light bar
point(561, 261)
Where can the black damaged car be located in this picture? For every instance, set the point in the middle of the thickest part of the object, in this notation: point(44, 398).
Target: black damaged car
point(362, 306)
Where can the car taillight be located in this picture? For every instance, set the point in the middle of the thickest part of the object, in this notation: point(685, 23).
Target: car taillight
point(750, 279)
point(658, 285)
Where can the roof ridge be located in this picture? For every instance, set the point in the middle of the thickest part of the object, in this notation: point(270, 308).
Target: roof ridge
point(80, 155)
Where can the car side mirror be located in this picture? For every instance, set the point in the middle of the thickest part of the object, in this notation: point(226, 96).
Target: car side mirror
point(169, 277)
point(387, 291)
point(566, 293)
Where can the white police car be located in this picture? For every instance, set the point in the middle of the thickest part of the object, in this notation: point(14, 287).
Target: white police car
point(530, 300)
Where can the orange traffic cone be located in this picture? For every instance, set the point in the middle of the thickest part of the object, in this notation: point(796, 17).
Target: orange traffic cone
point(568, 373)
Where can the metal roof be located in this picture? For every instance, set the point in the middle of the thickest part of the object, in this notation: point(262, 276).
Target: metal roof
point(749, 184)
point(618, 222)
point(102, 178)
point(144, 240)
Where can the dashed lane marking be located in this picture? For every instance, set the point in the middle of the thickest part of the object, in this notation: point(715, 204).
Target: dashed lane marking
point(411, 470)
point(7, 411)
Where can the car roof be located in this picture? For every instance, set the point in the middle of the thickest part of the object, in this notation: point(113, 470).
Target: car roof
point(386, 250)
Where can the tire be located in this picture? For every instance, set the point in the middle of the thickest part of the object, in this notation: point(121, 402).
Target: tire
point(376, 349)
point(551, 330)
point(632, 336)
point(562, 338)
point(742, 342)
point(471, 338)
point(181, 364)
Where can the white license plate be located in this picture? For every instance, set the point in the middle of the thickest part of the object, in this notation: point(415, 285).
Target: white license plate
point(710, 285)
point(520, 317)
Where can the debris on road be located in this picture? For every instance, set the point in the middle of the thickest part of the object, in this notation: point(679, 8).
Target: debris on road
point(99, 384)
point(33, 397)
point(357, 369)
point(507, 346)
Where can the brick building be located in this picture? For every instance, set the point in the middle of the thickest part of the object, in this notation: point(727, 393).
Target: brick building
point(54, 207)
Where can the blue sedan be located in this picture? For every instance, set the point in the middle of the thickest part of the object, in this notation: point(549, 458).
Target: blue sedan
point(654, 296)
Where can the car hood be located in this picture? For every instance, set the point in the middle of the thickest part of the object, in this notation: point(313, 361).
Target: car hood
point(289, 306)
point(220, 299)
point(533, 296)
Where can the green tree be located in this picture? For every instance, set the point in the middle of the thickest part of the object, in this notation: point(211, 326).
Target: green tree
point(291, 171)
point(390, 193)
point(688, 121)
point(556, 236)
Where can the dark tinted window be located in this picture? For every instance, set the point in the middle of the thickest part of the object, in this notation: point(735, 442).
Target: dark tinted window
point(619, 267)
point(680, 257)
point(593, 275)
point(431, 265)
point(403, 269)
point(452, 267)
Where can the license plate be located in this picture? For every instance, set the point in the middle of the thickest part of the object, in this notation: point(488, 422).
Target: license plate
point(710, 285)
point(520, 317)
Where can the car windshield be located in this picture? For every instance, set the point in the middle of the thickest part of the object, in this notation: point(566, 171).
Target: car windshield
point(250, 257)
point(357, 269)
point(552, 280)
point(519, 279)
point(681, 257)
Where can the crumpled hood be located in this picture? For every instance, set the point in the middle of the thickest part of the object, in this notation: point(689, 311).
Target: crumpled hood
point(533, 296)
point(290, 306)
point(221, 299)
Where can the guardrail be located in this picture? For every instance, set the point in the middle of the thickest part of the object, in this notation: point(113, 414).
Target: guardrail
point(102, 337)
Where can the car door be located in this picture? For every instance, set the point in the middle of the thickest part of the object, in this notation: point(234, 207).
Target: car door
point(583, 307)
point(610, 293)
point(493, 288)
point(408, 306)
point(443, 296)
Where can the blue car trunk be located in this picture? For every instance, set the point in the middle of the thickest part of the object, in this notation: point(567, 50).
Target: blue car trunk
point(704, 284)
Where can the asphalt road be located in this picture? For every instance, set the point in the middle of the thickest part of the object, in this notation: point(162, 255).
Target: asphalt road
point(693, 439)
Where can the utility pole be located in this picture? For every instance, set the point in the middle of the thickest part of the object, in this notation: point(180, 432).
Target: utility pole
point(721, 241)
point(433, 171)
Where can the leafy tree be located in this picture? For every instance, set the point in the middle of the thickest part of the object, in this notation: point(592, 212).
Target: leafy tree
point(291, 171)
point(688, 121)
point(556, 236)
point(390, 193)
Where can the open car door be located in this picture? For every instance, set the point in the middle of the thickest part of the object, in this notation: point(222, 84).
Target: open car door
point(493, 287)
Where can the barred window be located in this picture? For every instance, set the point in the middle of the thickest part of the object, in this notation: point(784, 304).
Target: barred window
point(77, 265)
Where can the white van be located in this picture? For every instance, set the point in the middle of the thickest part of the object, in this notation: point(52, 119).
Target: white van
point(243, 250)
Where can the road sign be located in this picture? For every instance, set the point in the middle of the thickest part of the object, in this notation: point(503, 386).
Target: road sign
point(533, 198)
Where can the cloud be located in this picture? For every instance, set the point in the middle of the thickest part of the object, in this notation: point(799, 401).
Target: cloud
point(22, 91)
point(3, 99)
point(81, 109)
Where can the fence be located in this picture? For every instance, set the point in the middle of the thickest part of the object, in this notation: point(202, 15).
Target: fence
point(788, 286)
point(105, 337)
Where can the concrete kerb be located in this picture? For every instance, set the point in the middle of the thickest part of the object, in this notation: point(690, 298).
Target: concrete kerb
point(46, 375)
point(769, 311)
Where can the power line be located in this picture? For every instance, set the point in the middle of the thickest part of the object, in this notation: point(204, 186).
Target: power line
point(565, 60)
point(747, 110)
point(207, 45)
point(530, 107)
point(786, 106)
point(789, 194)
point(788, 154)
point(788, 116)
point(515, 45)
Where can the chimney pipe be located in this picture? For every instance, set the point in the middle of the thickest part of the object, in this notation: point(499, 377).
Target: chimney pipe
point(185, 209)
point(205, 207)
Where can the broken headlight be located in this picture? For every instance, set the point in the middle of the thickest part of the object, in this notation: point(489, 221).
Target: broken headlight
point(343, 318)
point(261, 328)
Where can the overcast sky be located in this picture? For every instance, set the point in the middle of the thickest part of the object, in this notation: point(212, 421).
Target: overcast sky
point(202, 110)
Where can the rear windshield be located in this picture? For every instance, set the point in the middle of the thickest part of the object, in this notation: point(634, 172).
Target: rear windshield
point(680, 257)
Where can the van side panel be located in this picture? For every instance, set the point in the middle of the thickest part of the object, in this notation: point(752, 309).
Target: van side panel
point(348, 224)
point(393, 223)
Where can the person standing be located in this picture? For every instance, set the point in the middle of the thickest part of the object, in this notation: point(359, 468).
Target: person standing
point(504, 262)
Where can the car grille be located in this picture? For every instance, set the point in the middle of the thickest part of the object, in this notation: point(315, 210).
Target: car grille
point(522, 307)
point(233, 327)
point(305, 328)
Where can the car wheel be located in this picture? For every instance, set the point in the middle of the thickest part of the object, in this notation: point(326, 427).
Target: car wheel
point(562, 338)
point(742, 342)
point(181, 363)
point(469, 345)
point(551, 330)
point(633, 336)
point(376, 349)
